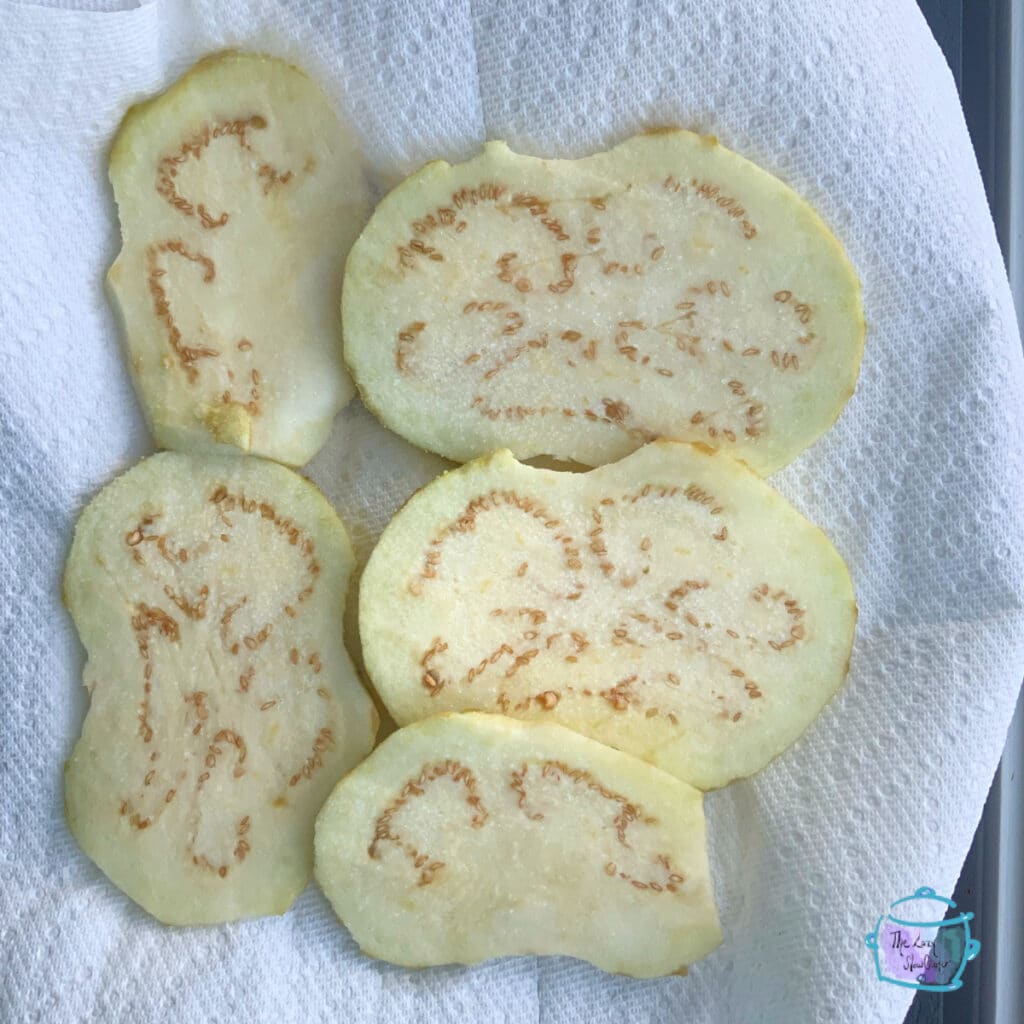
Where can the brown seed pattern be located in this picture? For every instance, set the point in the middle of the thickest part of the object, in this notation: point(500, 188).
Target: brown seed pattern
point(214, 747)
point(535, 637)
point(385, 830)
point(627, 813)
point(193, 149)
point(662, 345)
point(467, 520)
point(188, 355)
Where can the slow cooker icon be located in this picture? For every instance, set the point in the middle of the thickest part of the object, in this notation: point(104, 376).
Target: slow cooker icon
point(916, 947)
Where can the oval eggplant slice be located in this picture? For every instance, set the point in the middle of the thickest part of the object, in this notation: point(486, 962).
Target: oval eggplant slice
point(672, 605)
point(579, 308)
point(209, 594)
point(472, 836)
point(239, 195)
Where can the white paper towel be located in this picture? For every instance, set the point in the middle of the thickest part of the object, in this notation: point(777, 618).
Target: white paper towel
point(920, 485)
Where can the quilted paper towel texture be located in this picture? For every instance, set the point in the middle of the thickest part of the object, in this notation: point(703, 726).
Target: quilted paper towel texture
point(919, 484)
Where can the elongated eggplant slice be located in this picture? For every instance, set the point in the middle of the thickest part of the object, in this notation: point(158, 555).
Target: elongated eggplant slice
point(209, 594)
point(239, 195)
point(578, 308)
point(466, 837)
point(672, 605)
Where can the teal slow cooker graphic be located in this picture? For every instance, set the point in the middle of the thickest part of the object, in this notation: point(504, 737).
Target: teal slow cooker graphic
point(915, 945)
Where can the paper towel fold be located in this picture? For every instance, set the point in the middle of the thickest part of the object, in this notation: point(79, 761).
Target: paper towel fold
point(920, 484)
